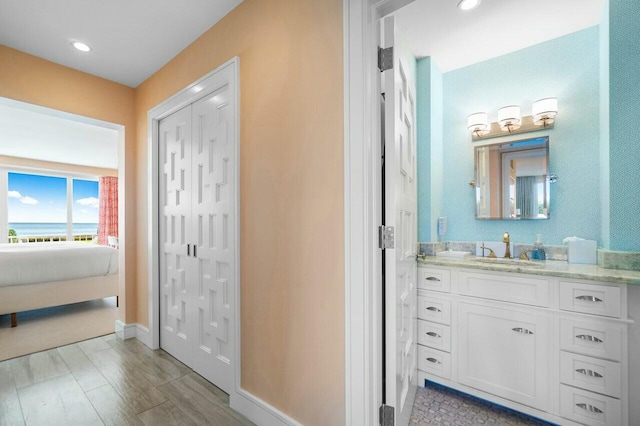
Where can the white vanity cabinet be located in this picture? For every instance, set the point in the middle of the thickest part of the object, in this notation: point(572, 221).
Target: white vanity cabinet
point(503, 352)
point(551, 347)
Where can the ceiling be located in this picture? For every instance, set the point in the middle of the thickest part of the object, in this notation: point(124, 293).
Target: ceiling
point(37, 133)
point(131, 40)
point(456, 38)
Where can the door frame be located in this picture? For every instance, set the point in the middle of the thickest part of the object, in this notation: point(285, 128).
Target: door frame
point(194, 91)
point(362, 209)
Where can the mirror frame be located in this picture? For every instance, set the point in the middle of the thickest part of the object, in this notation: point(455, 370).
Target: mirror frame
point(480, 181)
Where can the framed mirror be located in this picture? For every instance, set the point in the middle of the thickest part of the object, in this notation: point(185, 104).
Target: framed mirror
point(511, 180)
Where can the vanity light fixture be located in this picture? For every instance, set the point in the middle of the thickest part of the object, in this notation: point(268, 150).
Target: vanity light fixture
point(468, 4)
point(478, 123)
point(83, 47)
point(509, 118)
point(544, 111)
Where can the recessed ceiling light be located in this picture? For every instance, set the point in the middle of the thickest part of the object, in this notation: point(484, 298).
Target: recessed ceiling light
point(468, 4)
point(81, 46)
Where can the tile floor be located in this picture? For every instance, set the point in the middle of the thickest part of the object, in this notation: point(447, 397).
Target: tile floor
point(438, 405)
point(112, 382)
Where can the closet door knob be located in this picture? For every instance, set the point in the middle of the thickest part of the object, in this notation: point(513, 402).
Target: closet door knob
point(188, 249)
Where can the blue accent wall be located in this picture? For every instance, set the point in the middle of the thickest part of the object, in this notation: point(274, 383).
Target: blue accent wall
point(605, 205)
point(624, 154)
point(568, 68)
point(423, 149)
point(429, 148)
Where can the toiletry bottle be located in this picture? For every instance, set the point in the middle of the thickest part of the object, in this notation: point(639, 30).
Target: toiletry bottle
point(538, 253)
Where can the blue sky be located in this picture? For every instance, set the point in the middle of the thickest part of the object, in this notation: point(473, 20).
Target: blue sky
point(34, 198)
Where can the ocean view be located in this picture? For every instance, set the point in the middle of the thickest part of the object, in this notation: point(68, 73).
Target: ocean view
point(26, 229)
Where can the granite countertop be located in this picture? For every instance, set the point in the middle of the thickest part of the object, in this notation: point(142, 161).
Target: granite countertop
point(550, 268)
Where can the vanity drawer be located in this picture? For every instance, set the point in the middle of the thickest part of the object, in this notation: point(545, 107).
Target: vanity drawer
point(434, 309)
point(509, 288)
point(434, 279)
point(592, 374)
point(434, 361)
point(602, 340)
point(434, 335)
point(591, 299)
point(589, 408)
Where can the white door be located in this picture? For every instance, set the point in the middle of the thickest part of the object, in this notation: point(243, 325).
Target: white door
point(400, 211)
point(197, 235)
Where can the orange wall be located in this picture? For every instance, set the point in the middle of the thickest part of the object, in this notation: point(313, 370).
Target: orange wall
point(291, 195)
point(36, 81)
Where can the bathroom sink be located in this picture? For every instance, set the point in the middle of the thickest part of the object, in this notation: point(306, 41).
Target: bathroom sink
point(510, 262)
point(453, 253)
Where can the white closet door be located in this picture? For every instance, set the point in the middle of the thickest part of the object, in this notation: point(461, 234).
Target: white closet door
point(213, 228)
point(176, 300)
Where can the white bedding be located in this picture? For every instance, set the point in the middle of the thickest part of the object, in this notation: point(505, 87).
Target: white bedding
point(32, 263)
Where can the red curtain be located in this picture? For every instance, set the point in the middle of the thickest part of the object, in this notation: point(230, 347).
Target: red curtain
point(108, 218)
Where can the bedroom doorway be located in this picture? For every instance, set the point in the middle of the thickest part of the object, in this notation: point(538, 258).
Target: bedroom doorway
point(194, 226)
point(50, 165)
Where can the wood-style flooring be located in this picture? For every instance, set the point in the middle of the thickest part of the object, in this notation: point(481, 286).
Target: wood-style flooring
point(107, 381)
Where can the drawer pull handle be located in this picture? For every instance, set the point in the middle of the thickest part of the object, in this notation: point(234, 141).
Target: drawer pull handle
point(433, 360)
point(522, 330)
point(433, 334)
point(590, 408)
point(589, 298)
point(589, 338)
point(589, 373)
point(433, 309)
point(432, 279)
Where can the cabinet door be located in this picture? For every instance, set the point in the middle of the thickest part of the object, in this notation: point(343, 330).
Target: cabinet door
point(504, 352)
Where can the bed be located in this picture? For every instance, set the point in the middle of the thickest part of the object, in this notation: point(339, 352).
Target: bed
point(42, 275)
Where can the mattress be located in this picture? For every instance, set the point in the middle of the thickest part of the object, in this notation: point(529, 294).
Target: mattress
point(32, 263)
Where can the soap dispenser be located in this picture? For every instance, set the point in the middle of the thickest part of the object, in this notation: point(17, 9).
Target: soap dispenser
point(538, 252)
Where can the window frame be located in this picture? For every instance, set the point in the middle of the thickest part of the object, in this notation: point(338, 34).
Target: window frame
point(4, 193)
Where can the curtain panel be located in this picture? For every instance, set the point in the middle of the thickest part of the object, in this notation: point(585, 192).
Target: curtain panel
point(108, 217)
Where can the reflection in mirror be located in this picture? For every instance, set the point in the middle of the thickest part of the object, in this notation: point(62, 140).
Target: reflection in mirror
point(511, 180)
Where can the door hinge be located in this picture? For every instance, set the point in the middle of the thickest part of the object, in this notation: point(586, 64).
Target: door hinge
point(385, 58)
point(386, 415)
point(386, 237)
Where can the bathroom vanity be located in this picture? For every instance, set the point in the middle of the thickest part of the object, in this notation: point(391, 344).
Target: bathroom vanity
point(550, 341)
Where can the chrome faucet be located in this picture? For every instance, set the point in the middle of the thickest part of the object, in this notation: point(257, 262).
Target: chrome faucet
point(505, 239)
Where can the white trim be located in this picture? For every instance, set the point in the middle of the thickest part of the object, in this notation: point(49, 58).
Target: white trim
point(143, 334)
point(125, 331)
point(184, 97)
point(362, 198)
point(259, 411)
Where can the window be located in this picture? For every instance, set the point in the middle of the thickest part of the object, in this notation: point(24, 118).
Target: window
point(44, 207)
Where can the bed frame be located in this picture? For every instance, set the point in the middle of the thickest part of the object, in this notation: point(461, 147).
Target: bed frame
point(26, 297)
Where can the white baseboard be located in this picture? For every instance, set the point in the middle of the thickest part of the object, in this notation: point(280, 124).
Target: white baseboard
point(143, 334)
point(125, 331)
point(259, 411)
point(129, 331)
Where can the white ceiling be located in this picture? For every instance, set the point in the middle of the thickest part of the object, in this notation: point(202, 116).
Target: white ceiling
point(131, 39)
point(456, 38)
point(38, 133)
